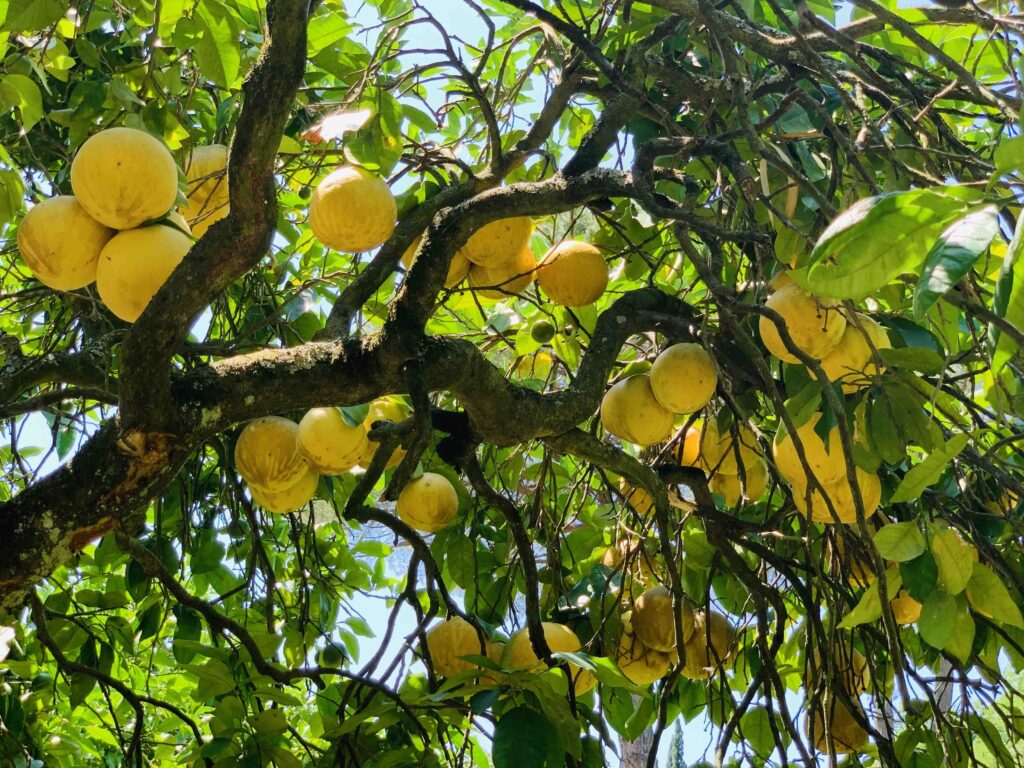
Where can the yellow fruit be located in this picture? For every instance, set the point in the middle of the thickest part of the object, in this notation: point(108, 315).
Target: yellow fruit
point(780, 280)
point(905, 609)
point(630, 412)
point(428, 503)
point(267, 454)
point(383, 409)
point(827, 465)
point(124, 177)
point(499, 242)
point(842, 498)
point(61, 243)
point(688, 449)
point(814, 324)
point(847, 733)
point(560, 639)
point(638, 662)
point(135, 264)
point(457, 270)
point(536, 366)
point(450, 640)
point(719, 452)
point(731, 489)
point(290, 499)
point(654, 623)
point(860, 572)
point(206, 171)
point(851, 361)
point(710, 648)
point(637, 498)
point(639, 565)
point(328, 443)
point(684, 378)
point(573, 274)
point(352, 210)
point(508, 279)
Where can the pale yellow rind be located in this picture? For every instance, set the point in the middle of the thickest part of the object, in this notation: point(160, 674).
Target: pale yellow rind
point(573, 274)
point(352, 210)
point(267, 454)
point(428, 503)
point(61, 243)
point(134, 264)
point(328, 443)
point(206, 172)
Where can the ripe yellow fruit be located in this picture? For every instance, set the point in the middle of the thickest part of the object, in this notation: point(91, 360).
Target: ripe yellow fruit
point(684, 378)
point(573, 274)
point(290, 499)
point(206, 170)
point(457, 269)
point(827, 464)
point(841, 495)
point(688, 449)
point(428, 503)
point(860, 572)
point(905, 609)
point(328, 443)
point(61, 243)
point(499, 242)
point(124, 177)
point(630, 411)
point(730, 487)
point(815, 324)
point(448, 641)
point(267, 454)
point(719, 452)
point(851, 361)
point(637, 498)
point(710, 648)
point(780, 280)
point(134, 264)
point(654, 623)
point(508, 279)
point(848, 735)
point(639, 565)
point(560, 639)
point(848, 666)
point(383, 409)
point(639, 663)
point(352, 210)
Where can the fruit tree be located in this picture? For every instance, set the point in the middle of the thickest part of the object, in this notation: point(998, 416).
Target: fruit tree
point(511, 383)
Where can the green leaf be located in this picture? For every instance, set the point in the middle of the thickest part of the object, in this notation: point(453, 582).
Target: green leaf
point(521, 739)
point(757, 730)
point(20, 92)
point(989, 596)
point(1008, 302)
point(900, 542)
point(954, 254)
point(962, 638)
point(270, 721)
point(354, 415)
point(217, 49)
point(869, 608)
point(1009, 154)
point(937, 616)
point(32, 15)
point(930, 470)
point(926, 361)
point(920, 576)
point(954, 560)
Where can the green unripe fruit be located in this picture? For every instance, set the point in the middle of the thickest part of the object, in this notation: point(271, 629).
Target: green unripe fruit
point(542, 332)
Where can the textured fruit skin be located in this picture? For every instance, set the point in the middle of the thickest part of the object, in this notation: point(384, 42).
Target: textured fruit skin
point(508, 279)
point(639, 663)
point(827, 465)
point(449, 640)
point(124, 177)
point(851, 361)
point(684, 378)
point(710, 648)
point(718, 451)
point(842, 498)
point(730, 487)
point(457, 270)
point(206, 171)
point(134, 264)
point(290, 499)
point(61, 243)
point(267, 454)
point(352, 210)
point(383, 409)
point(428, 503)
point(905, 609)
point(329, 444)
point(573, 274)
point(847, 734)
point(813, 323)
point(630, 411)
point(653, 621)
point(499, 242)
point(560, 639)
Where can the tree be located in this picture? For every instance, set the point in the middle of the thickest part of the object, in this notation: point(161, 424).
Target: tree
point(669, 470)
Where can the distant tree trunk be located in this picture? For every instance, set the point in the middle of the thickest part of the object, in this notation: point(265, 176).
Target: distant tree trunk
point(634, 753)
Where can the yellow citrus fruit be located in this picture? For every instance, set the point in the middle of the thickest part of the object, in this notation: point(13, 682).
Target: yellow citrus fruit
point(383, 409)
point(860, 572)
point(639, 663)
point(560, 639)
point(573, 274)
point(815, 324)
point(630, 411)
point(290, 499)
point(641, 565)
point(848, 735)
point(654, 623)
point(780, 280)
point(730, 487)
point(328, 443)
point(848, 665)
point(352, 210)
point(428, 503)
point(457, 270)
point(688, 449)
point(827, 464)
point(719, 452)
point(536, 366)
point(684, 378)
point(499, 242)
point(504, 280)
point(448, 641)
point(206, 171)
point(851, 361)
point(124, 177)
point(905, 609)
point(841, 495)
point(267, 454)
point(134, 264)
point(710, 648)
point(637, 498)
point(61, 243)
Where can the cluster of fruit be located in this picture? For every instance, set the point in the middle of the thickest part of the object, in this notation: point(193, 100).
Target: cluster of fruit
point(120, 228)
